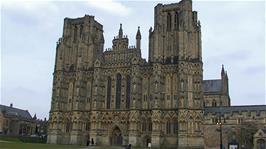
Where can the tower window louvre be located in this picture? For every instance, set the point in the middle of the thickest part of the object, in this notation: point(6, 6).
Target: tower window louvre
point(169, 21)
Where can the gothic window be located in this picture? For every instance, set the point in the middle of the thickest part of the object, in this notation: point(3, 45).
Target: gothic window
point(75, 34)
point(176, 21)
point(169, 21)
point(80, 31)
point(118, 91)
point(128, 92)
point(109, 90)
point(150, 126)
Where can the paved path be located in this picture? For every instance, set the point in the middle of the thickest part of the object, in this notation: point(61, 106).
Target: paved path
point(102, 147)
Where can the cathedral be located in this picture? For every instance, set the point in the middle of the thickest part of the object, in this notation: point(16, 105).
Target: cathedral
point(115, 97)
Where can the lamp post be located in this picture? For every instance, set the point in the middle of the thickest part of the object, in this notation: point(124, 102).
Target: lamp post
point(220, 130)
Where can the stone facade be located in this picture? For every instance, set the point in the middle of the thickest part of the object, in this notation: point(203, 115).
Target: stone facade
point(116, 97)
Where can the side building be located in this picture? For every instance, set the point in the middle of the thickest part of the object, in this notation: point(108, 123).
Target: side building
point(18, 122)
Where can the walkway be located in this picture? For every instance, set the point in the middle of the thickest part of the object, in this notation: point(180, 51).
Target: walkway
point(103, 147)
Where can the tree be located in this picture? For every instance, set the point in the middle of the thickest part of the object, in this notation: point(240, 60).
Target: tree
point(244, 134)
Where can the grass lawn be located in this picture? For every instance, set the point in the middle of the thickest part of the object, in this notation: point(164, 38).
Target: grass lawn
point(20, 145)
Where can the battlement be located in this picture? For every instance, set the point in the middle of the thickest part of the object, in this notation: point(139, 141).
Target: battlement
point(182, 5)
point(78, 28)
point(83, 20)
point(117, 37)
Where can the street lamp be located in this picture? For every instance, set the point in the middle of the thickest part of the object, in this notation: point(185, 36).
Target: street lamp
point(220, 130)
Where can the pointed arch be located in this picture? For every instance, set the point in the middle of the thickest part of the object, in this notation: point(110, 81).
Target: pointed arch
point(81, 30)
point(108, 93)
point(118, 91)
point(169, 21)
point(128, 92)
point(116, 136)
point(75, 33)
point(176, 21)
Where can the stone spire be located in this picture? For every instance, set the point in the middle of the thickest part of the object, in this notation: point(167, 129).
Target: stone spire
point(222, 71)
point(120, 34)
point(138, 38)
point(138, 35)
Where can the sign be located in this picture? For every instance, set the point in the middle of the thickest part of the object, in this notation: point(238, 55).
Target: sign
point(233, 146)
point(149, 145)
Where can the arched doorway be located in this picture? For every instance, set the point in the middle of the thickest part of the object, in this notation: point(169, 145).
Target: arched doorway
point(116, 138)
point(261, 144)
point(146, 141)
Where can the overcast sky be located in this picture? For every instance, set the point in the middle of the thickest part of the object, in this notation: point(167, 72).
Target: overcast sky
point(233, 34)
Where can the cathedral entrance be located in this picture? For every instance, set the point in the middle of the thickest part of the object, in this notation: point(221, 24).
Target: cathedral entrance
point(146, 141)
point(261, 144)
point(116, 138)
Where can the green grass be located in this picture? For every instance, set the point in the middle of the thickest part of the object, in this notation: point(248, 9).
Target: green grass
point(11, 139)
point(19, 145)
point(22, 145)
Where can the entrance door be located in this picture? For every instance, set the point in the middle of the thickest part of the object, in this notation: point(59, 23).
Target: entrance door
point(117, 138)
point(148, 140)
point(261, 144)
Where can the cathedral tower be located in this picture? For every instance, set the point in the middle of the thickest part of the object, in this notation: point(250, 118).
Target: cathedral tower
point(175, 52)
point(176, 34)
point(82, 42)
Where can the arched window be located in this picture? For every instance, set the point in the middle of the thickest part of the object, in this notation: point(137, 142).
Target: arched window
point(118, 91)
point(80, 30)
point(169, 20)
point(75, 33)
point(176, 21)
point(128, 92)
point(108, 93)
point(150, 125)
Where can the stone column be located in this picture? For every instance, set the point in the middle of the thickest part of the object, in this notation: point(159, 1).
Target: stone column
point(156, 129)
point(133, 131)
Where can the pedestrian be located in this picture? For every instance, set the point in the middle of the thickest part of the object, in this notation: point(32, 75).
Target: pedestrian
point(92, 142)
point(88, 142)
